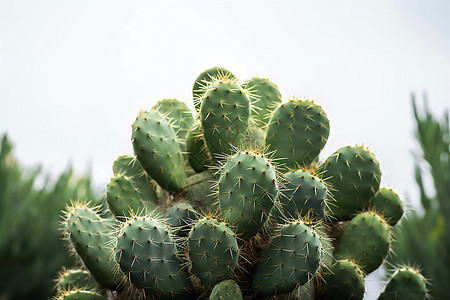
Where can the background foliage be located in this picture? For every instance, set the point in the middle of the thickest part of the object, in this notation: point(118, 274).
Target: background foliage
point(31, 252)
point(423, 237)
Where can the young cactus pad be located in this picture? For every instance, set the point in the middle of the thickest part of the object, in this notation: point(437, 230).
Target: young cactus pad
point(90, 235)
point(292, 258)
point(80, 295)
point(226, 290)
point(354, 175)
point(268, 97)
point(297, 132)
point(213, 250)
point(224, 114)
point(388, 204)
point(129, 166)
point(124, 199)
point(304, 194)
point(247, 191)
point(157, 149)
point(146, 253)
point(180, 117)
point(366, 239)
point(202, 81)
point(342, 281)
point(198, 155)
point(405, 283)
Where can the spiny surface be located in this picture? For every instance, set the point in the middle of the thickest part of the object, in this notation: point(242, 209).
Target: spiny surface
point(366, 239)
point(343, 280)
point(405, 283)
point(202, 81)
point(226, 290)
point(75, 279)
point(180, 216)
point(292, 258)
point(81, 295)
point(297, 132)
point(124, 199)
point(157, 149)
point(388, 203)
point(180, 117)
point(304, 194)
point(146, 253)
point(354, 175)
point(247, 191)
point(268, 97)
point(224, 115)
point(213, 250)
point(90, 236)
point(198, 155)
point(129, 166)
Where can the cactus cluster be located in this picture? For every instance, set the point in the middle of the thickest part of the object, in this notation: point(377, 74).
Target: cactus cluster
point(234, 202)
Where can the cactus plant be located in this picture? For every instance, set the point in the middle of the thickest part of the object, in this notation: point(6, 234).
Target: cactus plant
point(253, 220)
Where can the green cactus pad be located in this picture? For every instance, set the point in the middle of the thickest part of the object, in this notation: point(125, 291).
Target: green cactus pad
point(254, 138)
point(304, 194)
point(405, 283)
point(343, 280)
point(292, 258)
point(224, 115)
point(146, 253)
point(180, 216)
point(91, 237)
point(247, 191)
point(354, 175)
point(297, 132)
point(226, 290)
point(268, 97)
point(213, 250)
point(366, 240)
point(198, 155)
point(129, 166)
point(204, 79)
point(179, 115)
point(81, 295)
point(157, 149)
point(388, 203)
point(69, 279)
point(124, 199)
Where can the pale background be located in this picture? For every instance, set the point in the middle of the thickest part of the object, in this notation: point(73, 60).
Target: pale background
point(74, 74)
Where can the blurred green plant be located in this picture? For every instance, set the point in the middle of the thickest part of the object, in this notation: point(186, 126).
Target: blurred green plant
point(423, 239)
point(31, 252)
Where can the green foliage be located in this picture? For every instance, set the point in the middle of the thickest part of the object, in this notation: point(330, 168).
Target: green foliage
point(405, 282)
point(31, 251)
point(226, 290)
point(423, 237)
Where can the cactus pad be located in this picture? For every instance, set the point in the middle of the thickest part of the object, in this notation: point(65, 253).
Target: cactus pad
point(226, 290)
point(405, 283)
point(388, 204)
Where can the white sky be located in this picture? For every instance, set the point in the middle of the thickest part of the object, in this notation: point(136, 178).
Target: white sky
point(74, 74)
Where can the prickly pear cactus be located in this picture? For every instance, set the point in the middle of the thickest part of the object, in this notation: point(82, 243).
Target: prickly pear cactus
point(405, 283)
point(232, 204)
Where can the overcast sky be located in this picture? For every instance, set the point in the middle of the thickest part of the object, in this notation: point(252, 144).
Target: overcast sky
point(74, 74)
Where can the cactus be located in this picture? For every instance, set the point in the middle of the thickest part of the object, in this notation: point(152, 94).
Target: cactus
point(268, 97)
point(304, 194)
point(387, 203)
point(344, 280)
point(354, 175)
point(204, 79)
point(226, 290)
point(224, 115)
point(69, 279)
point(146, 253)
point(90, 234)
point(247, 191)
point(80, 295)
point(366, 239)
point(250, 220)
point(213, 250)
point(405, 282)
point(297, 132)
point(293, 257)
point(157, 149)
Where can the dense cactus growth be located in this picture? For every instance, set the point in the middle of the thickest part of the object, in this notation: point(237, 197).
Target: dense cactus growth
point(252, 215)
